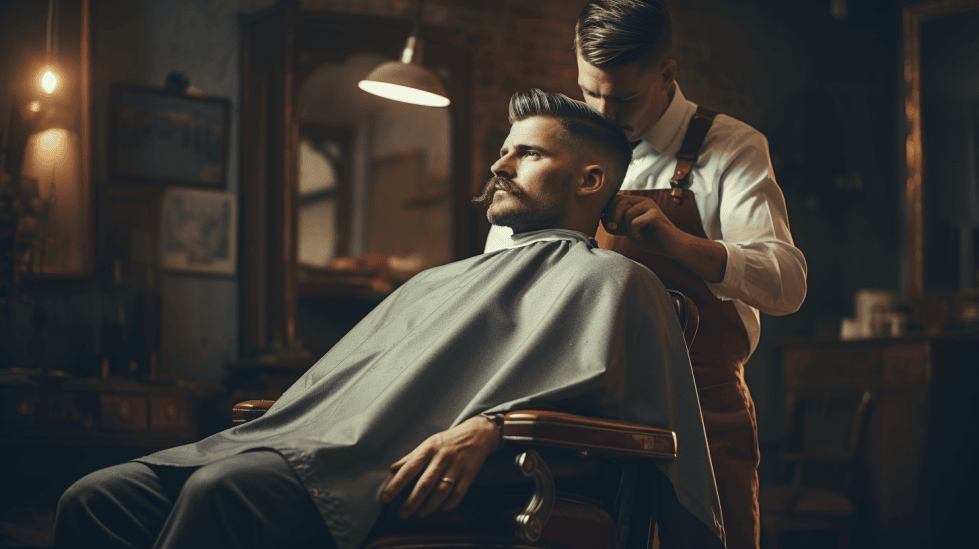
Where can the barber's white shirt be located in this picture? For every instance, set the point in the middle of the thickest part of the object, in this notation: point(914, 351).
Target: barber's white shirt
point(740, 206)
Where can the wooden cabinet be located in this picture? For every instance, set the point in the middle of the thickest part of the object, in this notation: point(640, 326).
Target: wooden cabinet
point(54, 430)
point(920, 447)
point(65, 411)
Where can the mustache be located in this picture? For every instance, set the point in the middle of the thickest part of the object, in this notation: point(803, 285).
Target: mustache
point(495, 183)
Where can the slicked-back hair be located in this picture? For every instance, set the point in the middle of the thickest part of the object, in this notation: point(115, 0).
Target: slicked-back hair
point(614, 33)
point(581, 122)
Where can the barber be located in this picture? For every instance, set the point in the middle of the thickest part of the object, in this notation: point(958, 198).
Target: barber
point(701, 209)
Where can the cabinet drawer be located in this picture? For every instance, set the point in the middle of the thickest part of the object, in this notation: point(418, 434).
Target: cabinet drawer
point(46, 409)
point(123, 412)
point(169, 413)
point(846, 367)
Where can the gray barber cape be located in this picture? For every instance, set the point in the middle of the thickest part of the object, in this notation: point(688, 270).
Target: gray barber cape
point(553, 321)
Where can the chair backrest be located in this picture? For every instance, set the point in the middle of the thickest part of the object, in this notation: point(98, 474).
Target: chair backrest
point(688, 315)
point(824, 424)
point(821, 438)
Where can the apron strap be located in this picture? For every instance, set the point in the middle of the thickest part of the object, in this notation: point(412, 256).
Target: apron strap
point(697, 130)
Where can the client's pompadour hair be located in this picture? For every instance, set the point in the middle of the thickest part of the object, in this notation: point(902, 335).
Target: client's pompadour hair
point(580, 121)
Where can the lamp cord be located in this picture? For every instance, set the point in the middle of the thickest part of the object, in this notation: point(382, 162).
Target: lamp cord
point(54, 35)
point(416, 26)
point(52, 45)
point(50, 23)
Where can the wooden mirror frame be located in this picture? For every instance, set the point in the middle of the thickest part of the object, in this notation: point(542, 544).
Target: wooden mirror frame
point(280, 47)
point(914, 16)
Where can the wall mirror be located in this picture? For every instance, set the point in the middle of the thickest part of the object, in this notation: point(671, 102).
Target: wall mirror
point(941, 105)
point(344, 194)
point(373, 178)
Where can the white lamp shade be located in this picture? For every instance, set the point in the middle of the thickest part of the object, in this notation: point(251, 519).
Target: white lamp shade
point(406, 82)
point(53, 159)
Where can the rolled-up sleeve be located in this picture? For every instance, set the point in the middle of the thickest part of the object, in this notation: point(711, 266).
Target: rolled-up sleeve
point(764, 268)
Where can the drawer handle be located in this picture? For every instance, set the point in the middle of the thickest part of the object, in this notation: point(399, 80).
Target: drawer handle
point(124, 409)
point(171, 411)
point(25, 407)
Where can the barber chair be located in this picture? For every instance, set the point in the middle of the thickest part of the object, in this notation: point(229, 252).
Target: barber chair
point(593, 484)
point(821, 439)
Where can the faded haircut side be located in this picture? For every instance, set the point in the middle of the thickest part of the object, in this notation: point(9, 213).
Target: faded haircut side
point(582, 122)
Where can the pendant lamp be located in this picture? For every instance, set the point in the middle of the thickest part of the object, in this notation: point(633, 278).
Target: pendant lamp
point(407, 80)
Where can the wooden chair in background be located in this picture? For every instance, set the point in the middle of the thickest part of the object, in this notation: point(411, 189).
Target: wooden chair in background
point(821, 440)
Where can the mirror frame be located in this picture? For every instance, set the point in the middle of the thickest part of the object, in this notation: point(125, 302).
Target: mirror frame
point(913, 16)
point(280, 46)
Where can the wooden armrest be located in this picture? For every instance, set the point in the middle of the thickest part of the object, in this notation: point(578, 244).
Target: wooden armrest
point(555, 429)
point(248, 410)
point(604, 436)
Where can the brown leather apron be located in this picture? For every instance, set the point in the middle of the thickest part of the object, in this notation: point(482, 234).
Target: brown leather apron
point(718, 355)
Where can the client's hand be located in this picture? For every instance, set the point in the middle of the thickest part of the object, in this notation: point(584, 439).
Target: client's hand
point(447, 462)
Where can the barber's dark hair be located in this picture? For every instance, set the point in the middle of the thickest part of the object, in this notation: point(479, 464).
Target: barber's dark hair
point(580, 121)
point(614, 33)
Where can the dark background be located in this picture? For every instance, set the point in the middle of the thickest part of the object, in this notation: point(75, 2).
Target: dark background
point(827, 93)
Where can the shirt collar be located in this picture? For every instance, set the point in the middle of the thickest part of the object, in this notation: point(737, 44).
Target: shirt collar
point(550, 235)
point(666, 128)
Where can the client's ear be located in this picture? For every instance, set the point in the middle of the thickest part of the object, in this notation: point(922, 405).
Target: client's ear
point(593, 181)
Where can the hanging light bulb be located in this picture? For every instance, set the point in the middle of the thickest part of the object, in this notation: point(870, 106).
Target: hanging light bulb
point(49, 81)
point(407, 80)
point(49, 77)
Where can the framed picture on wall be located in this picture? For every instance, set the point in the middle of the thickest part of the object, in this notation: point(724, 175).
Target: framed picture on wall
point(198, 231)
point(161, 137)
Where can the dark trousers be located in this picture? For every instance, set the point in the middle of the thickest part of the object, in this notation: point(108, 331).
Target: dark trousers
point(253, 499)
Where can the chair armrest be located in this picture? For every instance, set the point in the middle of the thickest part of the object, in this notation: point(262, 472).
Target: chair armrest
point(243, 412)
point(555, 429)
point(589, 434)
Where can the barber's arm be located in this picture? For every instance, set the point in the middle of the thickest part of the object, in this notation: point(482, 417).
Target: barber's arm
point(456, 454)
point(755, 261)
point(764, 268)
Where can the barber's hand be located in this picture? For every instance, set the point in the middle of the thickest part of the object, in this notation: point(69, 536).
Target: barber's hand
point(641, 220)
point(457, 454)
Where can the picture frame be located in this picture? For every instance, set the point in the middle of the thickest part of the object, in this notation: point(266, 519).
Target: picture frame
point(162, 137)
point(198, 231)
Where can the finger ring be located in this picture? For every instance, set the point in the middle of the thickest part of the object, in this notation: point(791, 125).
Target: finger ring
point(449, 480)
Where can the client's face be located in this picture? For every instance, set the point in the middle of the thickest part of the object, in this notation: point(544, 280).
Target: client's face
point(532, 180)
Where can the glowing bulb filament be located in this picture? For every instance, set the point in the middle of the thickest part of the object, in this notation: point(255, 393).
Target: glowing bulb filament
point(49, 81)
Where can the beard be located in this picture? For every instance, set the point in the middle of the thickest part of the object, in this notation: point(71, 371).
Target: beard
point(533, 215)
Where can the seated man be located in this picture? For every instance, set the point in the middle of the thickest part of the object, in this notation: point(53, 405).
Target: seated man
point(400, 397)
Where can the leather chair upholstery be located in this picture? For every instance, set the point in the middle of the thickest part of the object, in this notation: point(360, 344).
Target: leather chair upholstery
point(591, 481)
